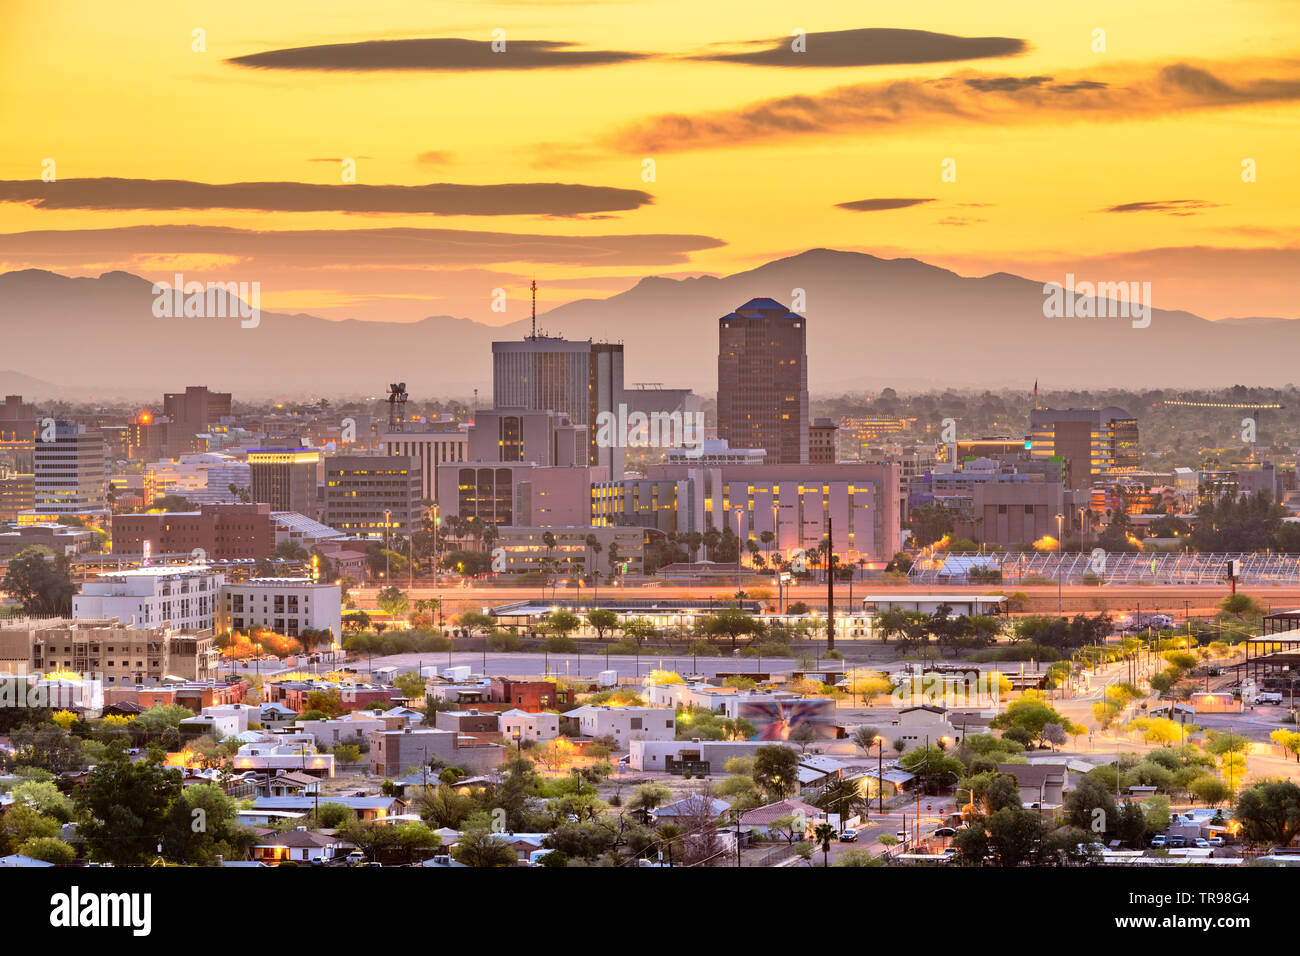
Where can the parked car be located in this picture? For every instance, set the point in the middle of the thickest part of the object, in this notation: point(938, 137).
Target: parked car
point(1177, 842)
point(1215, 841)
point(1159, 840)
point(1201, 843)
point(848, 836)
point(355, 857)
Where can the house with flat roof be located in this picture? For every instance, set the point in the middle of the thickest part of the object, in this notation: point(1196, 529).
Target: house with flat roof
point(624, 724)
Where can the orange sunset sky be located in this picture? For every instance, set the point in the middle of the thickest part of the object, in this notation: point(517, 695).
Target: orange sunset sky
point(1105, 139)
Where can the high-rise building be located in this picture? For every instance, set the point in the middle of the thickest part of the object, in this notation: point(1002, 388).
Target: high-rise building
point(579, 379)
point(196, 408)
point(369, 496)
point(71, 469)
point(285, 478)
point(763, 381)
point(515, 435)
point(433, 447)
point(1090, 442)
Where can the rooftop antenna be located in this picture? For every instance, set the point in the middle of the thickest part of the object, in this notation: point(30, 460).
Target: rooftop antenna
point(396, 406)
point(533, 337)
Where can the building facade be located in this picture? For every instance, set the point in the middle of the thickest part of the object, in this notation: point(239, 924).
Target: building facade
point(285, 478)
point(1090, 442)
point(71, 469)
point(184, 596)
point(221, 532)
point(285, 606)
point(763, 381)
point(374, 496)
point(581, 380)
point(434, 448)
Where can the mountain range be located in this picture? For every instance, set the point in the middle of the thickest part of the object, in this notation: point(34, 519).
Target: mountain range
point(872, 323)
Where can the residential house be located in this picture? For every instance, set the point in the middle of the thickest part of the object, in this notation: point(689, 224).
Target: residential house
point(299, 846)
point(624, 724)
point(522, 725)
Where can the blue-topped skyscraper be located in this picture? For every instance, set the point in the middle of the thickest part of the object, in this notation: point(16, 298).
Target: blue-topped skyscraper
point(763, 381)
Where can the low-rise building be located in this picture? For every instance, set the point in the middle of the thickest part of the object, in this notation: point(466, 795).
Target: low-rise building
point(523, 725)
point(288, 606)
point(182, 595)
point(392, 752)
point(116, 654)
point(624, 724)
point(530, 695)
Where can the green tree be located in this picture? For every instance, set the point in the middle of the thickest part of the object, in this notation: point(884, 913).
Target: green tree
point(482, 848)
point(393, 601)
point(49, 849)
point(776, 771)
point(824, 833)
point(1013, 835)
point(1270, 812)
point(602, 621)
point(125, 808)
point(410, 683)
point(40, 582)
point(204, 824)
point(561, 623)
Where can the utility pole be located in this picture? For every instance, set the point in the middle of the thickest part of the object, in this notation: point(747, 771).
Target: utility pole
point(830, 587)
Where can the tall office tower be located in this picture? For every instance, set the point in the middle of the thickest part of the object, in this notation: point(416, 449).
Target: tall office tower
point(763, 381)
point(196, 408)
point(71, 469)
point(285, 478)
point(1090, 442)
point(579, 379)
point(367, 496)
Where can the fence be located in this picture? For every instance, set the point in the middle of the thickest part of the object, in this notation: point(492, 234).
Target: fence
point(1106, 567)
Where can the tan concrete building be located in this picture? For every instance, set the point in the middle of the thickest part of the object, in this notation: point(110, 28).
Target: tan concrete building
point(117, 654)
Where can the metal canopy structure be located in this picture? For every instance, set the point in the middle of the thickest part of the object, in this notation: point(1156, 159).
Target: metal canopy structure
point(1105, 567)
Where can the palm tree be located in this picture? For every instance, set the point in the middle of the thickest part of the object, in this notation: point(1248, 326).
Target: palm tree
point(548, 539)
point(711, 538)
point(824, 834)
point(769, 539)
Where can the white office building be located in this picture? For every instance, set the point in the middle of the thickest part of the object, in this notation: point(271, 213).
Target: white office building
point(285, 606)
point(181, 595)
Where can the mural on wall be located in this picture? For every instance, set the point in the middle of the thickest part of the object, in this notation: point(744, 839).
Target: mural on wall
point(775, 719)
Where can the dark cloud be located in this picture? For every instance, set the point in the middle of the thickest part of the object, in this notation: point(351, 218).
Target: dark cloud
point(349, 247)
point(433, 54)
point(970, 97)
point(439, 199)
point(871, 46)
point(875, 205)
point(1174, 207)
point(1007, 84)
